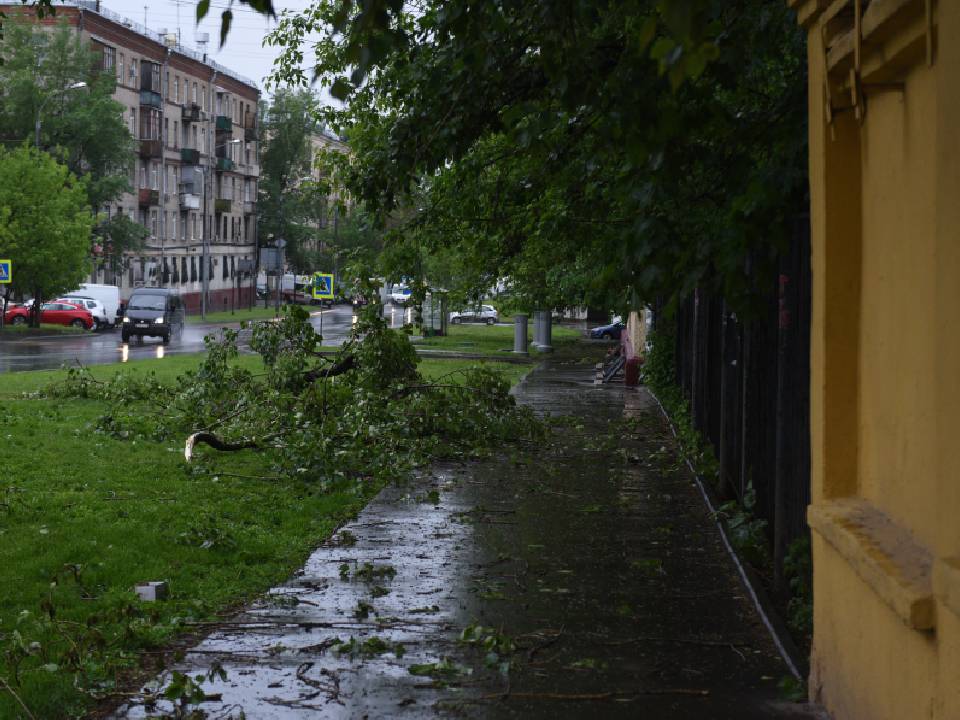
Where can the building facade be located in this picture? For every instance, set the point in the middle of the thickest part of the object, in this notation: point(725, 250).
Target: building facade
point(885, 347)
point(195, 175)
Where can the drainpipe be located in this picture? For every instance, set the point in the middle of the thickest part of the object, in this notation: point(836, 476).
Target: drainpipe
point(164, 91)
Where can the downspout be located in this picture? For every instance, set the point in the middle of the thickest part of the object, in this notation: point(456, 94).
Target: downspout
point(164, 92)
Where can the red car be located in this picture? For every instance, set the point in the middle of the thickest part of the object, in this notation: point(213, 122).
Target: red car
point(53, 313)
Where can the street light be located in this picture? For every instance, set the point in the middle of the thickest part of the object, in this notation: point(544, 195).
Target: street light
point(36, 126)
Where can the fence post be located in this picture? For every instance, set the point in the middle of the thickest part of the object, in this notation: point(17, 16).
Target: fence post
point(520, 334)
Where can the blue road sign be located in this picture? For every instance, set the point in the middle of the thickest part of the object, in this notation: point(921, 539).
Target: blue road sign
point(323, 286)
point(6, 271)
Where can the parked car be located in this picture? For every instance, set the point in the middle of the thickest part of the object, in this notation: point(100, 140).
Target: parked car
point(482, 313)
point(400, 295)
point(153, 311)
point(95, 307)
point(608, 332)
point(106, 295)
point(52, 313)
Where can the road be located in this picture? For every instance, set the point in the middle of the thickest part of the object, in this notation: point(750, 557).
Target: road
point(104, 348)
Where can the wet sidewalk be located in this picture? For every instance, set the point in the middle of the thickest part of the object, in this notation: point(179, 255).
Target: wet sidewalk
point(580, 578)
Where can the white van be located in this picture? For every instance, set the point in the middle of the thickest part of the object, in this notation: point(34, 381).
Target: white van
point(107, 295)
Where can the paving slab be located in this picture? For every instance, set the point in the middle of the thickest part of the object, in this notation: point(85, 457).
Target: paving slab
point(589, 561)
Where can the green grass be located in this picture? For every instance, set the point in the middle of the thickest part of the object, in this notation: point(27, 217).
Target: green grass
point(490, 339)
point(44, 329)
point(257, 313)
point(85, 515)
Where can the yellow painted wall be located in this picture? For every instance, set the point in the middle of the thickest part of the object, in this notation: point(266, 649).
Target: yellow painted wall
point(897, 385)
point(885, 366)
point(865, 664)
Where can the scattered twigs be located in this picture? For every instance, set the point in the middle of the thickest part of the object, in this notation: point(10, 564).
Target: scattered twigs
point(16, 697)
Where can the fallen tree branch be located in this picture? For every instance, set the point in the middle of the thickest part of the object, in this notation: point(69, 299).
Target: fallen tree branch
point(16, 697)
point(216, 443)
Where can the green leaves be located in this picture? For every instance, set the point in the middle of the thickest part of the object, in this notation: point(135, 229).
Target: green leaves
point(226, 18)
point(203, 7)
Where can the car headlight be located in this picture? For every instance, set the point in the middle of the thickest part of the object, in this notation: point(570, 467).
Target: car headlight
point(126, 319)
point(158, 321)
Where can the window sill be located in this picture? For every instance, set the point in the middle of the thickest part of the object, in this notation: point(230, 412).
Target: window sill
point(885, 556)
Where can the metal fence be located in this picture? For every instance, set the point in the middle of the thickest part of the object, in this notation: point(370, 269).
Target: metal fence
point(747, 382)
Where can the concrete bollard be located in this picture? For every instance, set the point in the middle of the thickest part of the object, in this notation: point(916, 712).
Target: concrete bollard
point(520, 334)
point(546, 332)
point(537, 329)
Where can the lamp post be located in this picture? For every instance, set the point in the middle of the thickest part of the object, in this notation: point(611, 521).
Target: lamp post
point(36, 125)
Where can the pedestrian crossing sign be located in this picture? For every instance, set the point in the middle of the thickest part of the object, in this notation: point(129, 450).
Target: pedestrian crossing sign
point(322, 286)
point(6, 271)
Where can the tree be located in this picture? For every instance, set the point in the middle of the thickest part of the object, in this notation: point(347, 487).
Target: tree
point(45, 224)
point(293, 204)
point(83, 128)
point(595, 152)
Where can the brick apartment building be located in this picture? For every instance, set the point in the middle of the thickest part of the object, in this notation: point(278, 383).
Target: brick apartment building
point(197, 165)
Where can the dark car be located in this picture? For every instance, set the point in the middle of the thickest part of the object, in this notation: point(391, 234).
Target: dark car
point(153, 311)
point(608, 332)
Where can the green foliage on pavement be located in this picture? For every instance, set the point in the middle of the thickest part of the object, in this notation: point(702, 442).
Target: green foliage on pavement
point(95, 495)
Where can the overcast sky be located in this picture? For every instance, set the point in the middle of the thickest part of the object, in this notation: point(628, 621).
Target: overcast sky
point(244, 52)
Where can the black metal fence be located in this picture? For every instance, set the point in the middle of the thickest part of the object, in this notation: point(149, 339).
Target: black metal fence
point(748, 387)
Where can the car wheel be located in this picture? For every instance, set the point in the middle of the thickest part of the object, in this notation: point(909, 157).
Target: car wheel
point(165, 339)
point(491, 321)
point(606, 336)
point(456, 321)
point(19, 320)
point(125, 336)
point(78, 323)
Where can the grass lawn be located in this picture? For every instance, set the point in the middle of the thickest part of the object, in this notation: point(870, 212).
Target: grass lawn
point(85, 515)
point(490, 339)
point(44, 329)
point(257, 313)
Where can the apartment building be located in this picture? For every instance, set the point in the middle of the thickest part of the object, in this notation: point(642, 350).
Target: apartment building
point(195, 175)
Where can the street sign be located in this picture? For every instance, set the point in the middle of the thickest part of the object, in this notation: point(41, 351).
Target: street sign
point(6, 271)
point(322, 286)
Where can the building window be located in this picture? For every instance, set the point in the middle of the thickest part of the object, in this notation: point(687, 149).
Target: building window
point(143, 175)
point(166, 85)
point(133, 72)
point(194, 92)
point(133, 121)
point(109, 58)
point(153, 223)
point(176, 134)
point(154, 176)
point(176, 87)
point(120, 70)
point(166, 131)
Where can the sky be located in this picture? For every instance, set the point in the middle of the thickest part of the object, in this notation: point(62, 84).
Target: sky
point(243, 52)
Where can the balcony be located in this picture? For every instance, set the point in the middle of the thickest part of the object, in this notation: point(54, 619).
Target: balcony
point(252, 171)
point(190, 112)
point(223, 205)
point(224, 123)
point(249, 126)
point(224, 164)
point(150, 77)
point(189, 201)
point(148, 98)
point(189, 156)
point(148, 197)
point(151, 148)
point(249, 207)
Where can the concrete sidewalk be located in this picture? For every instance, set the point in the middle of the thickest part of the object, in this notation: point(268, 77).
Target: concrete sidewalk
point(580, 578)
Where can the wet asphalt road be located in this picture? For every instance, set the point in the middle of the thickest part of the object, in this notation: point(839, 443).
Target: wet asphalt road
point(104, 348)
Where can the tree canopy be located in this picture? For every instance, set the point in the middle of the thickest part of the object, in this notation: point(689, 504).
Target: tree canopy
point(45, 223)
point(594, 152)
point(82, 127)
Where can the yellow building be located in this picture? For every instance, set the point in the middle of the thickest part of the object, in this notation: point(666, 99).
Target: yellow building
point(885, 356)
